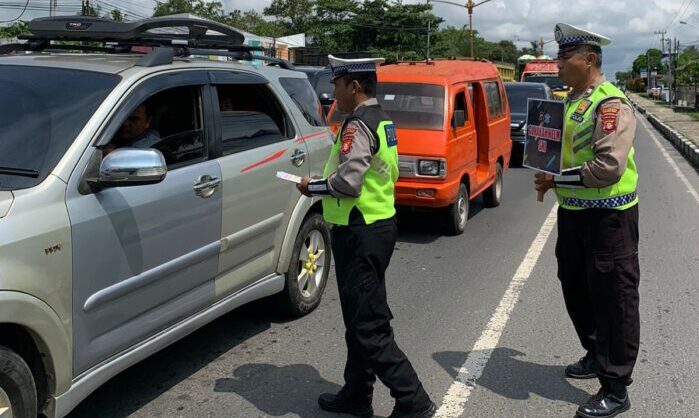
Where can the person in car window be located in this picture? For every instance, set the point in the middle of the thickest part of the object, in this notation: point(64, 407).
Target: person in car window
point(136, 131)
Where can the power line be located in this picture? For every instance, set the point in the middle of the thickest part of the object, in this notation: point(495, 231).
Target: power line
point(18, 17)
point(684, 2)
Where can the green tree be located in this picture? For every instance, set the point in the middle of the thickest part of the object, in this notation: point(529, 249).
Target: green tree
point(116, 15)
point(14, 29)
point(688, 66)
point(654, 56)
point(294, 14)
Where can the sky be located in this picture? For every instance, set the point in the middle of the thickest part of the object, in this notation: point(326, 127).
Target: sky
point(630, 24)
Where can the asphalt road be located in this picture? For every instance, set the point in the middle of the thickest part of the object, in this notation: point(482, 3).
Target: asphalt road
point(444, 292)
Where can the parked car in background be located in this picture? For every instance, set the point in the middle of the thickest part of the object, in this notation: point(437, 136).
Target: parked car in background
point(517, 95)
point(453, 126)
point(138, 201)
point(319, 78)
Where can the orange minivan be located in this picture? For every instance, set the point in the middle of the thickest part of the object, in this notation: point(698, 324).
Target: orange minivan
point(453, 126)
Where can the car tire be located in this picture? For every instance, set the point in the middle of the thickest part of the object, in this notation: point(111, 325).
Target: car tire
point(17, 388)
point(493, 196)
point(457, 213)
point(311, 253)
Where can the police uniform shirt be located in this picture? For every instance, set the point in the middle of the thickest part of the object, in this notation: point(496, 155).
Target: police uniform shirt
point(611, 140)
point(357, 149)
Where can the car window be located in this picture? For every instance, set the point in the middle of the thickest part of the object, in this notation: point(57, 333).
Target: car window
point(492, 94)
point(551, 80)
point(42, 110)
point(413, 105)
point(460, 103)
point(518, 97)
point(305, 98)
point(323, 84)
point(169, 121)
point(250, 117)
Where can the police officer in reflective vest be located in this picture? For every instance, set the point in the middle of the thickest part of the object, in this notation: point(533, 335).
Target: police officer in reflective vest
point(597, 248)
point(357, 190)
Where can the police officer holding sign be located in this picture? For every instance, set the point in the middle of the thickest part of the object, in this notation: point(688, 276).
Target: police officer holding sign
point(597, 247)
point(357, 191)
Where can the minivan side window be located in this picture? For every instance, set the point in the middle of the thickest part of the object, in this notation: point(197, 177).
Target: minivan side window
point(460, 103)
point(305, 98)
point(495, 104)
point(250, 117)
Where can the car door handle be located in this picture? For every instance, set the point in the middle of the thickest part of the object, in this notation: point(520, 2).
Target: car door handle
point(206, 186)
point(298, 157)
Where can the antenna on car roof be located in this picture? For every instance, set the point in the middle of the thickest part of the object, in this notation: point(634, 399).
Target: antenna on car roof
point(183, 34)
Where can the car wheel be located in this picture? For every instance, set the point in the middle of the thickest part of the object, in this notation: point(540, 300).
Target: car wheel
point(493, 195)
point(17, 388)
point(457, 213)
point(309, 267)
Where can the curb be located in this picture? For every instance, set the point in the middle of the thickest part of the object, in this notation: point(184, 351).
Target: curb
point(687, 148)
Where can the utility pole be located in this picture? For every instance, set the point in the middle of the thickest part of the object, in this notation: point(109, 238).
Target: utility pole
point(470, 5)
point(52, 7)
point(541, 44)
point(429, 29)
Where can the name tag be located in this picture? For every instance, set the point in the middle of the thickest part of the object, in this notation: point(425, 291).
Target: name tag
point(391, 137)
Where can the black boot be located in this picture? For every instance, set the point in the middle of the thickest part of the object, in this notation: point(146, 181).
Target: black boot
point(585, 368)
point(426, 412)
point(337, 403)
point(610, 401)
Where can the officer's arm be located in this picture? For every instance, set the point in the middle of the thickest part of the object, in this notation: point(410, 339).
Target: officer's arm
point(612, 139)
point(356, 151)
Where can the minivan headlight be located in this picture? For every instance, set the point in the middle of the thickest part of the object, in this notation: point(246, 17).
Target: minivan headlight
point(432, 168)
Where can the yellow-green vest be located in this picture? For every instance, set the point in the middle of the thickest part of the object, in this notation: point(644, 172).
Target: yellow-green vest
point(577, 149)
point(376, 201)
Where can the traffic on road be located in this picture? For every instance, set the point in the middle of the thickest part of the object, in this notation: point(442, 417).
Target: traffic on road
point(190, 227)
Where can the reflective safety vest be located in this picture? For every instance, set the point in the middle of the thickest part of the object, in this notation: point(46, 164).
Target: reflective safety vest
point(376, 201)
point(577, 149)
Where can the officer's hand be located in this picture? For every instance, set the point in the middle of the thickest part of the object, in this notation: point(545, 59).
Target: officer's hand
point(303, 187)
point(543, 182)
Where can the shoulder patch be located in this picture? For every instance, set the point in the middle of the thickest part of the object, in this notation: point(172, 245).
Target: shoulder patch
point(347, 139)
point(609, 115)
point(391, 137)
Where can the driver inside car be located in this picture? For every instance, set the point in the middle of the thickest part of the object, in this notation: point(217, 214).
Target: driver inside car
point(136, 131)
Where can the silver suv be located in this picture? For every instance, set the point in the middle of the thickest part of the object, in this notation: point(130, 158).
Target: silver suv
point(138, 199)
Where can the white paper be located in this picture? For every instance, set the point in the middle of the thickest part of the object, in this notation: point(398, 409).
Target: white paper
point(289, 177)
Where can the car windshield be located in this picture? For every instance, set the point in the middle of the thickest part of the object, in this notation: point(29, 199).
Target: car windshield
point(41, 112)
point(552, 81)
point(517, 96)
point(411, 106)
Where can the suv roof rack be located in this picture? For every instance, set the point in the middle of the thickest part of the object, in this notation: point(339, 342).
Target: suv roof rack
point(184, 35)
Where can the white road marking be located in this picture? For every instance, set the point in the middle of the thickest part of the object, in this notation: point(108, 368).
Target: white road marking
point(454, 401)
point(690, 189)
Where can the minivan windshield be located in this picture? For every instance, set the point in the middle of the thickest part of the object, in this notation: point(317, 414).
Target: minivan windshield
point(517, 96)
point(410, 105)
point(41, 112)
point(552, 81)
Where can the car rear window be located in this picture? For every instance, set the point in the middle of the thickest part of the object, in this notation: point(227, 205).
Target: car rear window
point(42, 110)
point(552, 81)
point(518, 97)
point(304, 96)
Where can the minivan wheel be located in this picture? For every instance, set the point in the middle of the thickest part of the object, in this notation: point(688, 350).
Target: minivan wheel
point(17, 388)
point(457, 213)
point(493, 195)
point(309, 267)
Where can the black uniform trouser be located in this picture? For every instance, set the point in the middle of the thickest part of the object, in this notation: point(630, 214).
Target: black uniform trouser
point(597, 252)
point(362, 254)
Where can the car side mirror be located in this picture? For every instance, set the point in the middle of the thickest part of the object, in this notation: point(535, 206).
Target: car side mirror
point(132, 167)
point(326, 99)
point(459, 119)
